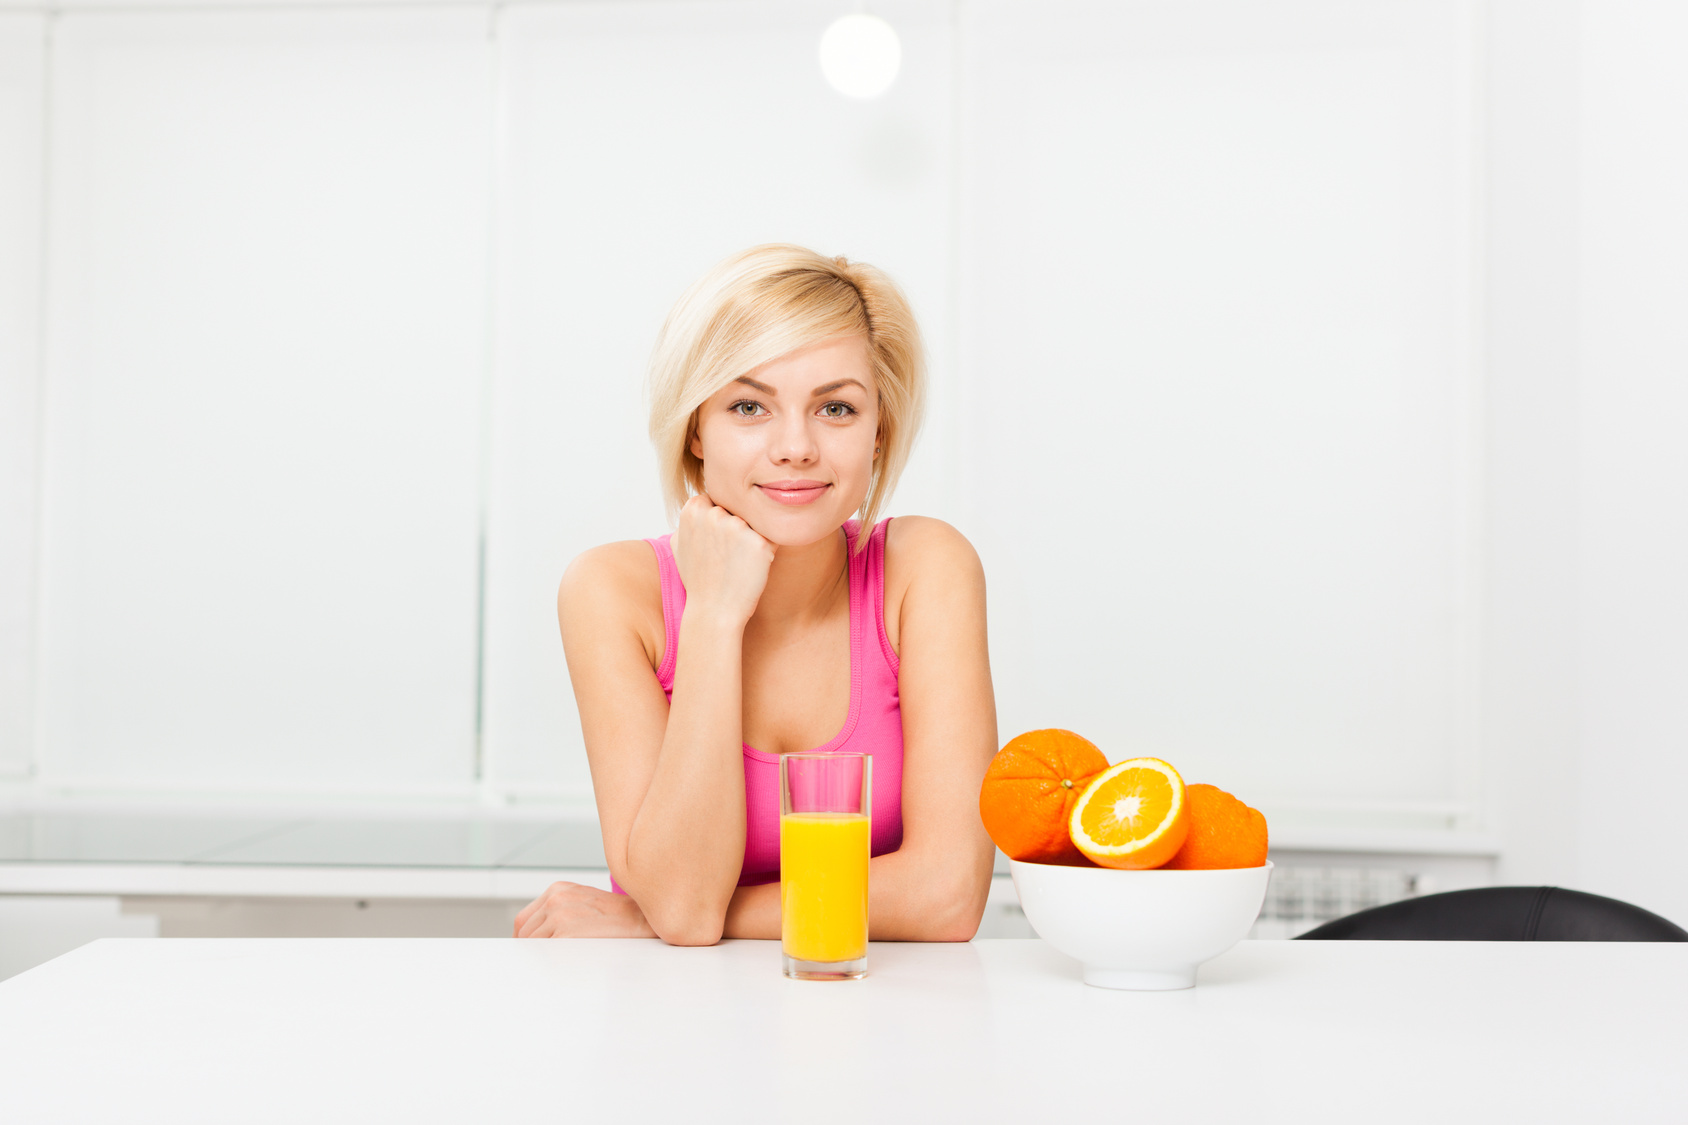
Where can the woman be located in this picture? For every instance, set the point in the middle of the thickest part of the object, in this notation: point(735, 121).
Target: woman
point(786, 392)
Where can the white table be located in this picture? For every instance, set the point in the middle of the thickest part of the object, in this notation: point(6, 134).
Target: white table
point(503, 1031)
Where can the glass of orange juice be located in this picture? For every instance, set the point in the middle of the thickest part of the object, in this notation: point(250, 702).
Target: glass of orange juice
point(825, 810)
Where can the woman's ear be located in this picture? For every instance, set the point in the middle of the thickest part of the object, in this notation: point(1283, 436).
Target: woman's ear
point(694, 443)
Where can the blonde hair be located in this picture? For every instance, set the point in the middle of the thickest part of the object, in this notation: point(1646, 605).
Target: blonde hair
point(766, 302)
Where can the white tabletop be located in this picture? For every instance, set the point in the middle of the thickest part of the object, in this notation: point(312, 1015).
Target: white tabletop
point(485, 1030)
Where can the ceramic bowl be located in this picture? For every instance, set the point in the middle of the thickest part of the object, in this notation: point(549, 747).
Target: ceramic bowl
point(1143, 930)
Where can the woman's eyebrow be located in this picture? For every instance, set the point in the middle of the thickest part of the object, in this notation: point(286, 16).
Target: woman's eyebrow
point(830, 387)
point(749, 382)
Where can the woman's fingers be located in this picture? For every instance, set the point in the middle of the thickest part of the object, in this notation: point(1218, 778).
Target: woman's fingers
point(532, 920)
point(723, 561)
point(574, 910)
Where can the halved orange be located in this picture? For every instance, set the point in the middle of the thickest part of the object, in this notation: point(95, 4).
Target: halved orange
point(1132, 815)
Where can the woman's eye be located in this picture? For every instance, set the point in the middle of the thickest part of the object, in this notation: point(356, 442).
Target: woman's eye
point(837, 410)
point(746, 409)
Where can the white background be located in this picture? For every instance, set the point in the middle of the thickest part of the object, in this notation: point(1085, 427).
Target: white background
point(265, 324)
point(1310, 377)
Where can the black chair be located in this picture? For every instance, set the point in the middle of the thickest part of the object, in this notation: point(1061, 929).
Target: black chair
point(1502, 914)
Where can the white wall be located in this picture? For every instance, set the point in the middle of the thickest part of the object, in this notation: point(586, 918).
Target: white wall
point(23, 41)
point(1217, 427)
point(1530, 682)
point(1633, 411)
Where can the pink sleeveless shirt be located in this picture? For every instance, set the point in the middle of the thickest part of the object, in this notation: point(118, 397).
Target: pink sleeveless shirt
point(873, 725)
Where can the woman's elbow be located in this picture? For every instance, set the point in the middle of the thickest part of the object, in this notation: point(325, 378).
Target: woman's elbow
point(956, 914)
point(689, 926)
point(960, 928)
point(689, 934)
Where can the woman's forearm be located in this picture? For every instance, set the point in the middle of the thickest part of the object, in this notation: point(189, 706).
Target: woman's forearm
point(754, 912)
point(686, 846)
point(917, 895)
point(911, 897)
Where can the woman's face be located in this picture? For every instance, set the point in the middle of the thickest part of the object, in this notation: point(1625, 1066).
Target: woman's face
point(789, 447)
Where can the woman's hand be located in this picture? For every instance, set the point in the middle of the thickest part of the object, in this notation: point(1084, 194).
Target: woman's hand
point(571, 910)
point(723, 563)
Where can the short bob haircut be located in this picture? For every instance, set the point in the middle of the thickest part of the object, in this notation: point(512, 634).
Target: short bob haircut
point(766, 302)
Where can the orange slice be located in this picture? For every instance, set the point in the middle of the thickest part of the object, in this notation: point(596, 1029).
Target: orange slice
point(1132, 815)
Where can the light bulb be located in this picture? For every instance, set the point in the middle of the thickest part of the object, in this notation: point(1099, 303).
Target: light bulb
point(860, 55)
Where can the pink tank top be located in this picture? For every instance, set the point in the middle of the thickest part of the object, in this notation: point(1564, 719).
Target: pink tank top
point(873, 725)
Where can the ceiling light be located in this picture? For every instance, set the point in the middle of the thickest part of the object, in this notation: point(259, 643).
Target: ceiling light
point(860, 55)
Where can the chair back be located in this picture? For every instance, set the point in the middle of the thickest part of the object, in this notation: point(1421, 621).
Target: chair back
point(1503, 914)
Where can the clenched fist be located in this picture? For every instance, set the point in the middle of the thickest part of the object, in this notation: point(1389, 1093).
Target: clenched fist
point(723, 562)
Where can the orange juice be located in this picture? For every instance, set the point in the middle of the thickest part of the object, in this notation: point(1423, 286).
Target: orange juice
point(823, 885)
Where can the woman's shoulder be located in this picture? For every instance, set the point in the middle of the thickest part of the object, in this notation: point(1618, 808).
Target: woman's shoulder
point(930, 562)
point(611, 582)
point(621, 560)
point(921, 544)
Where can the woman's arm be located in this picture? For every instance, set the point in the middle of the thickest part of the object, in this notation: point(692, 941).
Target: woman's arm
point(933, 887)
point(669, 779)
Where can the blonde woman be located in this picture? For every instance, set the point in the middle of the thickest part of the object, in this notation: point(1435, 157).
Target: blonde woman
point(786, 390)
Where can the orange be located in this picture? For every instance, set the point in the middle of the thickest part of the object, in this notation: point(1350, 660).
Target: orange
point(1131, 815)
point(1224, 832)
point(1030, 788)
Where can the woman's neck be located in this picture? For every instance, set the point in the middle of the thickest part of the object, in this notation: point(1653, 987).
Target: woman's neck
point(805, 583)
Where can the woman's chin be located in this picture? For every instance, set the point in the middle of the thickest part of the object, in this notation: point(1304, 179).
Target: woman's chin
point(796, 527)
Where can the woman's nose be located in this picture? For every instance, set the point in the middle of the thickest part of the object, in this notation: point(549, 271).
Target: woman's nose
point(793, 443)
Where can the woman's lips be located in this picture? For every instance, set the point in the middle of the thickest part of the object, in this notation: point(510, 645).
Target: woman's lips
point(794, 491)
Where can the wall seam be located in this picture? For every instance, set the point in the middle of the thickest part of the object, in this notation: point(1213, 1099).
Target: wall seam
point(489, 360)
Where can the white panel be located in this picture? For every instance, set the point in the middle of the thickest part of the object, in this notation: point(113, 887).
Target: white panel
point(34, 929)
point(266, 343)
point(644, 142)
point(1216, 281)
point(22, 124)
point(1634, 453)
point(1530, 697)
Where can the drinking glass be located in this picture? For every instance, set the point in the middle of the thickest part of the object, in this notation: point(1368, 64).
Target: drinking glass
point(825, 811)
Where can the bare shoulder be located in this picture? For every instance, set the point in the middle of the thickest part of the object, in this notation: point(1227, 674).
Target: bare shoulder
point(611, 568)
point(929, 564)
point(917, 546)
point(616, 584)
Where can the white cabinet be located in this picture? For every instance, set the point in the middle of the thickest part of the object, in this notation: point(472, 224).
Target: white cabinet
point(1218, 435)
point(267, 330)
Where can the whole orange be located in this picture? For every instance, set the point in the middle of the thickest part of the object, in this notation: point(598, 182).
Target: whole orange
point(1029, 791)
point(1224, 832)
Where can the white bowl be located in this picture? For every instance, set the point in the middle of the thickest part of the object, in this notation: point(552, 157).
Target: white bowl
point(1144, 930)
